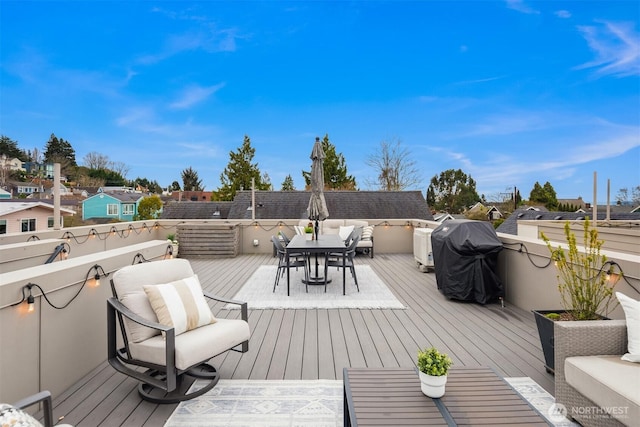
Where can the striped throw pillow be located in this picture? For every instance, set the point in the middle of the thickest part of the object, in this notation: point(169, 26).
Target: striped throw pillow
point(180, 304)
point(367, 232)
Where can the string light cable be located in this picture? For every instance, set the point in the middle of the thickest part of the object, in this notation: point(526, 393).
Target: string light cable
point(99, 272)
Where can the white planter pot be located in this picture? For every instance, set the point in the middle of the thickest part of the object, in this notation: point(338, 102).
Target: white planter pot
point(432, 386)
point(309, 236)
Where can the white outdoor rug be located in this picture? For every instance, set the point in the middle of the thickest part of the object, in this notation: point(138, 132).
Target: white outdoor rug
point(317, 403)
point(271, 403)
point(258, 291)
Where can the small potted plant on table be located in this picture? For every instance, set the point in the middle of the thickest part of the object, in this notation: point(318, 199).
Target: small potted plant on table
point(308, 231)
point(433, 368)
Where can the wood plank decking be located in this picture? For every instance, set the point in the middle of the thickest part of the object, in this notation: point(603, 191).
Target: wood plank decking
point(312, 344)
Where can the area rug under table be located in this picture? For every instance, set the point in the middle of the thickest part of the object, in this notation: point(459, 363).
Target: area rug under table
point(314, 403)
point(374, 293)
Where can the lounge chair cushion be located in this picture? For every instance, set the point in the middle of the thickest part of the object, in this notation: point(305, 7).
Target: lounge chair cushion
point(180, 304)
point(345, 231)
point(196, 345)
point(631, 309)
point(12, 416)
point(129, 282)
point(607, 381)
point(367, 232)
point(139, 304)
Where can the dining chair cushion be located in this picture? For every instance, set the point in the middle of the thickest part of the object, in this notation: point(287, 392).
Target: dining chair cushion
point(196, 345)
point(180, 304)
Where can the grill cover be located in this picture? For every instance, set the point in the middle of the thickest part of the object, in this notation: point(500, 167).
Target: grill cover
point(465, 255)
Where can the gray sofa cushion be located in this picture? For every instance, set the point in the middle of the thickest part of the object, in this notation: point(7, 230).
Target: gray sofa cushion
point(609, 382)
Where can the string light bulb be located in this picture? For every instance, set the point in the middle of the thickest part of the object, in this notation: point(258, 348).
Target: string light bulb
point(31, 301)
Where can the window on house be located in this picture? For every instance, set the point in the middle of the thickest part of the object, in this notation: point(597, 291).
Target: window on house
point(128, 209)
point(50, 222)
point(112, 209)
point(3, 226)
point(28, 225)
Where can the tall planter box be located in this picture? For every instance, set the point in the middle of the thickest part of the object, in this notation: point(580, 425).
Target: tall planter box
point(545, 331)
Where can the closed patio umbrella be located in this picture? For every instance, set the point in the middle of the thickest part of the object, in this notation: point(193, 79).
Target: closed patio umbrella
point(317, 205)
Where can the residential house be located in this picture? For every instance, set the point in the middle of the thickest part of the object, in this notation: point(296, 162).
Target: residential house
point(120, 205)
point(294, 204)
point(442, 217)
point(492, 213)
point(195, 210)
point(28, 216)
point(340, 204)
point(4, 194)
point(193, 196)
point(14, 164)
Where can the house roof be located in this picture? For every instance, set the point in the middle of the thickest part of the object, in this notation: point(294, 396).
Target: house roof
point(341, 204)
point(9, 207)
point(510, 225)
point(123, 196)
point(195, 210)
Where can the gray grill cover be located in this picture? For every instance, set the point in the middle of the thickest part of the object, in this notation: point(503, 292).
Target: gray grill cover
point(465, 254)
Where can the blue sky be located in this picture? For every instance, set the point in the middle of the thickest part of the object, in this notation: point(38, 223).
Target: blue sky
point(511, 92)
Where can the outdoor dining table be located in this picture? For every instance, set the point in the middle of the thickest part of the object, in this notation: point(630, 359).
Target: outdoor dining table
point(324, 244)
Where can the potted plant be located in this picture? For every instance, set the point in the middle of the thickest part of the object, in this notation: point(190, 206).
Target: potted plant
point(433, 368)
point(585, 282)
point(308, 231)
point(174, 244)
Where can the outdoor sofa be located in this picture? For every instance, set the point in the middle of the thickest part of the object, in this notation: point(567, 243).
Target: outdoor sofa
point(591, 381)
point(343, 227)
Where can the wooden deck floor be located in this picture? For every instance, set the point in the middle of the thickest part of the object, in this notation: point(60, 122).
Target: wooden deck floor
point(312, 344)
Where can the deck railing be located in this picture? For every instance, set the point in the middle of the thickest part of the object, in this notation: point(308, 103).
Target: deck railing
point(52, 349)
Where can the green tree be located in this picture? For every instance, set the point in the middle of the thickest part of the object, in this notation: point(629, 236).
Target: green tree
point(452, 191)
point(60, 151)
point(239, 173)
point(545, 195)
point(144, 183)
point(190, 180)
point(9, 148)
point(175, 186)
point(149, 208)
point(108, 177)
point(335, 169)
point(395, 167)
point(287, 184)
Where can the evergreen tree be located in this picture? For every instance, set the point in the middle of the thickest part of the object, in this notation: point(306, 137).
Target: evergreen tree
point(335, 169)
point(239, 172)
point(60, 151)
point(9, 148)
point(175, 186)
point(452, 191)
point(545, 195)
point(190, 180)
point(287, 184)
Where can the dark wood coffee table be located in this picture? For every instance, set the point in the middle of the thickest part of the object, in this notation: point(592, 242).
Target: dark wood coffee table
point(474, 396)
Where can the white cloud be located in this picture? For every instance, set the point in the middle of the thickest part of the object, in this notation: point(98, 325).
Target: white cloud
point(617, 49)
point(520, 6)
point(194, 95)
point(565, 14)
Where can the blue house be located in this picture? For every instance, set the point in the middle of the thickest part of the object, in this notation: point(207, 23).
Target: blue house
point(115, 205)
